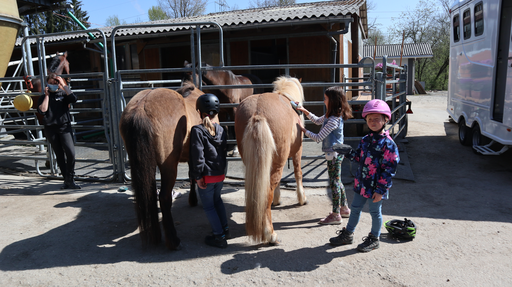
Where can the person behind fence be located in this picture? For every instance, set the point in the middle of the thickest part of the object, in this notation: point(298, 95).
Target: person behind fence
point(377, 155)
point(54, 106)
point(331, 132)
point(207, 166)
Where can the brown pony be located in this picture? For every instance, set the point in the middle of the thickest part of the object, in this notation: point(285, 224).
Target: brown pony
point(225, 77)
point(155, 128)
point(233, 96)
point(271, 135)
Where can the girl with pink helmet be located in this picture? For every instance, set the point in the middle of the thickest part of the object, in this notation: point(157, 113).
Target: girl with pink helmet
point(377, 155)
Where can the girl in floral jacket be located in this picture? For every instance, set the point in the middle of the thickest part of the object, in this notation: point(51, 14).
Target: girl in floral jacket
point(377, 155)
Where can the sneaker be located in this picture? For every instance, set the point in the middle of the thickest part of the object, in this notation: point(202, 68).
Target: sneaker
point(71, 185)
point(370, 243)
point(344, 237)
point(216, 241)
point(226, 233)
point(345, 213)
point(332, 218)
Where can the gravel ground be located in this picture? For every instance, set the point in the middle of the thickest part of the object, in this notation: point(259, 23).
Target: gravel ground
point(459, 200)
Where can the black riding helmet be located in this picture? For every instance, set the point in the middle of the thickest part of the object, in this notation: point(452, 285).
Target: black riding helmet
point(208, 104)
point(405, 229)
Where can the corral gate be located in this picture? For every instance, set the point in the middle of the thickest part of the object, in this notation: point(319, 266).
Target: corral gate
point(103, 97)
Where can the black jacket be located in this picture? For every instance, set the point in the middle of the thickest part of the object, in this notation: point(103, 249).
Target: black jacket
point(58, 108)
point(207, 152)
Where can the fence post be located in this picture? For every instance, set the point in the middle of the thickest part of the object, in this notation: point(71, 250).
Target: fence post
point(113, 95)
point(402, 99)
point(380, 88)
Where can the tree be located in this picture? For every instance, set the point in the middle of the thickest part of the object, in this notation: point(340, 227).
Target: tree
point(81, 15)
point(114, 21)
point(375, 34)
point(183, 8)
point(157, 13)
point(270, 3)
point(427, 23)
point(57, 21)
point(224, 6)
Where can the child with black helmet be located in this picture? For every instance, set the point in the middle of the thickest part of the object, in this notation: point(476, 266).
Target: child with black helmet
point(207, 166)
point(377, 155)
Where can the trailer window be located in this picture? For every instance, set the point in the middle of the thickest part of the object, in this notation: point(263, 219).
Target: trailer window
point(456, 28)
point(479, 19)
point(467, 24)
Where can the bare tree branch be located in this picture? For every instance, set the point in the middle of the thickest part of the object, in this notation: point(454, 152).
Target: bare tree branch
point(183, 8)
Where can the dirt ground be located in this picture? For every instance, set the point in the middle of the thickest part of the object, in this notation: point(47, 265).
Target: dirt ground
point(460, 201)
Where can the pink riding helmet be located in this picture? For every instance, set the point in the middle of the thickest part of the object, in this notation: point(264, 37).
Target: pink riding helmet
point(376, 107)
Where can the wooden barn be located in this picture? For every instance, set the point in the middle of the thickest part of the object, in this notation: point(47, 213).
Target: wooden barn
point(309, 33)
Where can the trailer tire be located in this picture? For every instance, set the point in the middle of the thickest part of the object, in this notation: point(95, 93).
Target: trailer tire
point(476, 136)
point(464, 133)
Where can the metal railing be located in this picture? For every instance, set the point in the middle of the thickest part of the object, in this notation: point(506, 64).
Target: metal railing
point(27, 122)
point(110, 95)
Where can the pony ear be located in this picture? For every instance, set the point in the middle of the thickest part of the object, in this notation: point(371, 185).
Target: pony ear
point(65, 54)
point(186, 90)
point(185, 63)
point(300, 80)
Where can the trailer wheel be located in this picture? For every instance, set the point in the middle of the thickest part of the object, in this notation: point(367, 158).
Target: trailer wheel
point(476, 136)
point(464, 133)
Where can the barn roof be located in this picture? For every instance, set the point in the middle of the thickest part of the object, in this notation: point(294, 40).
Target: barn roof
point(305, 13)
point(27, 7)
point(419, 50)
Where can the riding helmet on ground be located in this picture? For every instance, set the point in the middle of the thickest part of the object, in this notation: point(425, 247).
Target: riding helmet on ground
point(376, 106)
point(208, 104)
point(403, 229)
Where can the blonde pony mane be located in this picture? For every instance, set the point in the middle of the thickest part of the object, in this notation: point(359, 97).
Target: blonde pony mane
point(290, 87)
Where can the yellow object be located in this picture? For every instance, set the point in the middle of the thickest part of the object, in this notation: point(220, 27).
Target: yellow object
point(22, 103)
point(10, 22)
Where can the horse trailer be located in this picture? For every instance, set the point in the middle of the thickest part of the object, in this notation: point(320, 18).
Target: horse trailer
point(480, 76)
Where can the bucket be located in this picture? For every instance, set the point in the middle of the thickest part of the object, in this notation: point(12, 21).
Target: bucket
point(10, 23)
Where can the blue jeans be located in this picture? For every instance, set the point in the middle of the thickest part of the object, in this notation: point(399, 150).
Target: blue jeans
point(375, 211)
point(214, 206)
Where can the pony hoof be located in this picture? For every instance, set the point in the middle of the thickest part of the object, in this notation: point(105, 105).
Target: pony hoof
point(275, 243)
point(276, 204)
point(175, 247)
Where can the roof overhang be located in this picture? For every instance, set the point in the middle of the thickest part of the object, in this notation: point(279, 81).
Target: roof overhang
point(28, 7)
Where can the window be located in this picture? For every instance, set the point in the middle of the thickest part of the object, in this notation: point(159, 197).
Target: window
point(479, 19)
point(456, 28)
point(467, 24)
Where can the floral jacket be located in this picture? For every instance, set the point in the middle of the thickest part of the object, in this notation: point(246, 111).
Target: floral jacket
point(377, 155)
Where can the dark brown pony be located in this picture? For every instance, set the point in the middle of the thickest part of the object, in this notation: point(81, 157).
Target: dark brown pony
point(233, 96)
point(155, 128)
point(271, 135)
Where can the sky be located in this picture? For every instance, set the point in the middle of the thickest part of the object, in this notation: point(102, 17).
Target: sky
point(133, 11)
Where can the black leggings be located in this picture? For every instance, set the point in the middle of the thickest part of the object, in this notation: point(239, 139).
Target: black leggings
point(61, 139)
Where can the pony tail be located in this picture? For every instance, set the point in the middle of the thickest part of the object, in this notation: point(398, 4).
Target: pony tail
point(207, 123)
point(137, 132)
point(259, 146)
